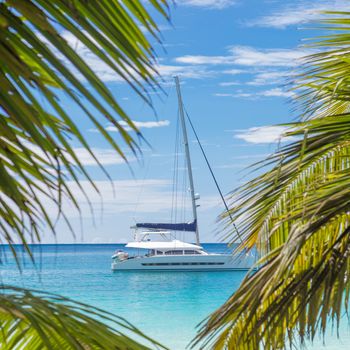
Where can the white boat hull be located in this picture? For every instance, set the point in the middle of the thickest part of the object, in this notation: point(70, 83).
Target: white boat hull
point(210, 262)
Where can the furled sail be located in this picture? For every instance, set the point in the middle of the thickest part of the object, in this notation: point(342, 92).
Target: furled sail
point(190, 226)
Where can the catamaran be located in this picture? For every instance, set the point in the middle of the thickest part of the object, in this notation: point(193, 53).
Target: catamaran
point(167, 254)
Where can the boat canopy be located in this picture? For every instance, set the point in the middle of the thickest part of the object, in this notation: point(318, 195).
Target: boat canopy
point(163, 245)
point(190, 226)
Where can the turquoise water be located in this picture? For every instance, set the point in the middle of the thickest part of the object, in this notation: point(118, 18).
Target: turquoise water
point(165, 305)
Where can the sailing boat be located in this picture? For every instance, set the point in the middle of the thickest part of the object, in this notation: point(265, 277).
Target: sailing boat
point(165, 254)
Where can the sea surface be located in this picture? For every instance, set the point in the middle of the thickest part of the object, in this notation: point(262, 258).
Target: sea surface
point(167, 306)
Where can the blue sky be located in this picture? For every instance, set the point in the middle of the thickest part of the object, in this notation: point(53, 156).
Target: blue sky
point(233, 58)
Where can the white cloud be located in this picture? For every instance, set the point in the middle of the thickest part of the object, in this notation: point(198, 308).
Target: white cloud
point(138, 124)
point(247, 56)
point(236, 95)
point(216, 4)
point(192, 72)
point(220, 94)
point(276, 92)
point(190, 59)
point(264, 78)
point(263, 134)
point(269, 78)
point(250, 56)
point(230, 83)
point(223, 95)
point(300, 12)
point(151, 124)
point(234, 71)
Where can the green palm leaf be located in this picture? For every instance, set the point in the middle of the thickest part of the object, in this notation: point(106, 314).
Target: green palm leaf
point(36, 63)
point(37, 320)
point(298, 216)
point(37, 133)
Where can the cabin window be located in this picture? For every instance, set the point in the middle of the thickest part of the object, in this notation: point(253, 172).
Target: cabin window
point(191, 252)
point(183, 263)
point(159, 252)
point(174, 252)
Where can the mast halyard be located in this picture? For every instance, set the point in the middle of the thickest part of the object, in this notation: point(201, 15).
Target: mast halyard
point(188, 157)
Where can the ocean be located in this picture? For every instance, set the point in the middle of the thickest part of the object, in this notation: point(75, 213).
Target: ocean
point(167, 306)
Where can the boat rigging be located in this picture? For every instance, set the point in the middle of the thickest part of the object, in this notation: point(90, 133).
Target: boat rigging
point(167, 254)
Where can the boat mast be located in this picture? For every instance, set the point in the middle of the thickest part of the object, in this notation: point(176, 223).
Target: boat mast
point(188, 158)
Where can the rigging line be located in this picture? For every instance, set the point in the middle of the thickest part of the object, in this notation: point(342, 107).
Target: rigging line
point(174, 209)
point(184, 190)
point(175, 175)
point(213, 176)
point(177, 150)
point(186, 196)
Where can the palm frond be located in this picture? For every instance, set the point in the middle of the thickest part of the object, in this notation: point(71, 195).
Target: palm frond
point(38, 65)
point(298, 216)
point(37, 320)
